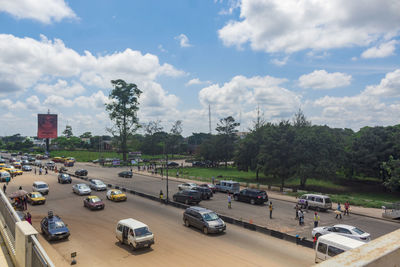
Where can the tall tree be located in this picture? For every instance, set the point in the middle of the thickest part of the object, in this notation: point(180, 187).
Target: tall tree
point(68, 131)
point(226, 129)
point(86, 135)
point(175, 138)
point(391, 172)
point(122, 110)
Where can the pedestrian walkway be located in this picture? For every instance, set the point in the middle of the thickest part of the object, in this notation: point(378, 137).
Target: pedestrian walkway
point(5, 259)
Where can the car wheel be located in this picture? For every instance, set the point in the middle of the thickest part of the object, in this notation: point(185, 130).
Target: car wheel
point(236, 198)
point(187, 224)
point(132, 246)
point(205, 230)
point(252, 201)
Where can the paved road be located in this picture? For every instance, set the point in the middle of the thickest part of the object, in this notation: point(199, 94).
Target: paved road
point(93, 238)
point(283, 214)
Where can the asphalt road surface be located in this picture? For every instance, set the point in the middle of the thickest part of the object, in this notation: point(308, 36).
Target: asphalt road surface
point(283, 214)
point(93, 236)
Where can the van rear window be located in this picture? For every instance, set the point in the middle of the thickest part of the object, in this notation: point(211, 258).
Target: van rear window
point(333, 251)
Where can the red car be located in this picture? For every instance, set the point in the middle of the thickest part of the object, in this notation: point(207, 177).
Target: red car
point(210, 186)
point(93, 203)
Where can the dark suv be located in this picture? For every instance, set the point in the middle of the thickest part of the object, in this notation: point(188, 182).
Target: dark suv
point(64, 178)
point(206, 193)
point(187, 197)
point(203, 219)
point(254, 196)
point(81, 172)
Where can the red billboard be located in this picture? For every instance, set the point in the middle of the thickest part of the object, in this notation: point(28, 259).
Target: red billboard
point(47, 125)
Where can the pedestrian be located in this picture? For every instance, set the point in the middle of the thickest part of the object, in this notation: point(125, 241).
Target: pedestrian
point(45, 170)
point(338, 211)
point(229, 201)
point(20, 188)
point(161, 196)
point(25, 200)
point(301, 217)
point(297, 211)
point(177, 174)
point(346, 207)
point(131, 169)
point(270, 209)
point(40, 171)
point(28, 217)
point(35, 170)
point(316, 219)
point(213, 180)
point(4, 188)
point(306, 206)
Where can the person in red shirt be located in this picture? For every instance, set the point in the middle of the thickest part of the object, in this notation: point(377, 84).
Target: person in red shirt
point(346, 208)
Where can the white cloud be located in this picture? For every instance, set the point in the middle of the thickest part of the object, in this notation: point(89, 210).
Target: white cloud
point(183, 40)
point(320, 79)
point(280, 62)
point(94, 101)
point(58, 101)
point(196, 81)
point(381, 51)
point(60, 88)
point(162, 49)
point(45, 11)
point(244, 94)
point(388, 87)
point(33, 102)
point(291, 25)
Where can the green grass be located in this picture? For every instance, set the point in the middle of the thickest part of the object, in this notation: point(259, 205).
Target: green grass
point(86, 156)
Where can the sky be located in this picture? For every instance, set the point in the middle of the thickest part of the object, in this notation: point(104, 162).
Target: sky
point(338, 61)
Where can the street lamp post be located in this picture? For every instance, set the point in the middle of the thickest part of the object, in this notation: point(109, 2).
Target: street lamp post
point(166, 167)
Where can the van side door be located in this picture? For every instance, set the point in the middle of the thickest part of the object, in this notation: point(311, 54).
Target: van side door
point(321, 251)
point(125, 230)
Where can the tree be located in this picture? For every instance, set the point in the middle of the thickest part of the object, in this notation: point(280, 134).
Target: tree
point(226, 129)
point(86, 135)
point(68, 131)
point(122, 110)
point(154, 139)
point(174, 138)
point(391, 170)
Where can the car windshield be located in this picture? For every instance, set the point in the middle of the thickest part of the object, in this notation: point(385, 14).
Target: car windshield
point(65, 176)
point(83, 186)
point(117, 192)
point(211, 216)
point(98, 182)
point(56, 225)
point(94, 199)
point(42, 186)
point(143, 231)
point(35, 195)
point(358, 231)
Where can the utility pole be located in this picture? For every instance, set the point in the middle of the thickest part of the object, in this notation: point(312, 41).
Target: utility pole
point(47, 139)
point(209, 118)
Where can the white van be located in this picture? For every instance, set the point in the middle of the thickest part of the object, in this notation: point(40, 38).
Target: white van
point(318, 202)
point(330, 245)
point(134, 233)
point(4, 176)
point(228, 186)
point(41, 187)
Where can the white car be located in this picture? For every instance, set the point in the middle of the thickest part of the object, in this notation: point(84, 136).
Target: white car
point(97, 185)
point(187, 186)
point(344, 230)
point(81, 189)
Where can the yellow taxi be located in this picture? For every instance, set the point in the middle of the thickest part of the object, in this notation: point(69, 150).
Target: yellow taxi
point(2, 165)
point(17, 164)
point(115, 195)
point(8, 168)
point(15, 171)
point(58, 159)
point(36, 198)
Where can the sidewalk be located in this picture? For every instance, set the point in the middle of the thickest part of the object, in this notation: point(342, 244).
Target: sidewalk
point(5, 259)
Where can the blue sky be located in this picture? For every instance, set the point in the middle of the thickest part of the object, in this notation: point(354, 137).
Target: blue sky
point(338, 61)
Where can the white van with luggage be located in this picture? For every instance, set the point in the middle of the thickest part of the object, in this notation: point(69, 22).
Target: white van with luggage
point(41, 187)
point(134, 233)
point(330, 245)
point(315, 201)
point(228, 186)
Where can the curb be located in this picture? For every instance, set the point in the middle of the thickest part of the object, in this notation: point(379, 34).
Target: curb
point(252, 227)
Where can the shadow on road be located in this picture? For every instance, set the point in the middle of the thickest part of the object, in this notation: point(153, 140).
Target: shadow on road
point(137, 252)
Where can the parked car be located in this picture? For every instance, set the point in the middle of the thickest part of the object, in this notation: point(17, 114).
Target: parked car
point(35, 198)
point(93, 203)
point(115, 195)
point(203, 219)
point(187, 197)
point(228, 186)
point(253, 196)
point(64, 178)
point(97, 185)
point(63, 169)
point(81, 189)
point(315, 201)
point(37, 162)
point(81, 172)
point(210, 186)
point(40, 186)
point(69, 163)
point(187, 186)
point(25, 162)
point(54, 228)
point(198, 164)
point(125, 174)
point(206, 193)
point(172, 164)
point(344, 230)
point(50, 164)
point(26, 168)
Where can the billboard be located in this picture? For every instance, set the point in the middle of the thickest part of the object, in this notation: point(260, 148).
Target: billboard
point(47, 125)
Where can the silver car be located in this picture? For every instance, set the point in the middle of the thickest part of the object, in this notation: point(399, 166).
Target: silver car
point(344, 230)
point(26, 168)
point(97, 185)
point(81, 189)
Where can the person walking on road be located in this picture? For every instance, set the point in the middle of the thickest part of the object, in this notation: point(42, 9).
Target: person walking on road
point(46, 172)
point(316, 219)
point(301, 217)
point(270, 207)
point(28, 217)
point(338, 211)
point(4, 188)
point(40, 171)
point(161, 196)
point(35, 171)
point(346, 208)
point(297, 211)
point(229, 201)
